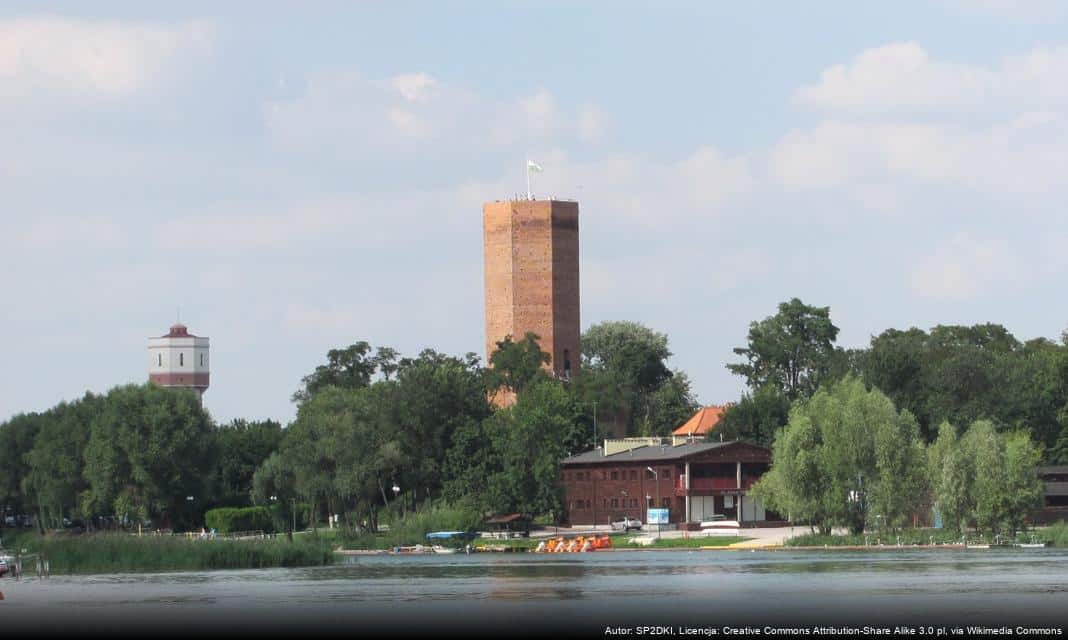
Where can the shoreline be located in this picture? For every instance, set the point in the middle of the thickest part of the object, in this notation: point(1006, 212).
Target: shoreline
point(740, 548)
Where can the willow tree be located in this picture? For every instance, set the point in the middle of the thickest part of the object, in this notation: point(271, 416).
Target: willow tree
point(847, 457)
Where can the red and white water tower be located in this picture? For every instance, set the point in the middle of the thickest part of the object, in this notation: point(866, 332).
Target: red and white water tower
point(179, 359)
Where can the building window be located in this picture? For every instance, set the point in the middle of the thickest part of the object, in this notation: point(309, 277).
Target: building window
point(633, 474)
point(588, 504)
point(615, 475)
point(181, 359)
point(606, 503)
point(202, 359)
point(666, 503)
point(604, 475)
point(615, 503)
point(666, 473)
point(159, 359)
point(648, 475)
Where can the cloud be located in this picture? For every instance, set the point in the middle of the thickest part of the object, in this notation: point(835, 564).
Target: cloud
point(896, 119)
point(71, 233)
point(902, 77)
point(413, 86)
point(645, 192)
point(92, 60)
point(346, 111)
point(591, 123)
point(963, 268)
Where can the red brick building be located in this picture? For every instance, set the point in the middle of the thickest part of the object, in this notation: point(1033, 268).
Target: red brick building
point(694, 480)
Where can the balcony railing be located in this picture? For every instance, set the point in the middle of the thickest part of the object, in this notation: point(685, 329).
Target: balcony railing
point(715, 483)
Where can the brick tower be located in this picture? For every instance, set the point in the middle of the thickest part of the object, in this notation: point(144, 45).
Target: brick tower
point(532, 277)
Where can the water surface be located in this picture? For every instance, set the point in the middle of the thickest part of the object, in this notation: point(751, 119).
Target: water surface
point(528, 593)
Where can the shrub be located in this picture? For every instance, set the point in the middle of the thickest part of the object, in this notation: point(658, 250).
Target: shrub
point(231, 519)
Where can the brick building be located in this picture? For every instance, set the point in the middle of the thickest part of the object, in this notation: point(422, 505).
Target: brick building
point(693, 479)
point(1054, 495)
point(531, 250)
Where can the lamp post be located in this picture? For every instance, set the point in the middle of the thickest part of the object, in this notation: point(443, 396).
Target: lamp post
point(656, 478)
point(594, 425)
point(396, 495)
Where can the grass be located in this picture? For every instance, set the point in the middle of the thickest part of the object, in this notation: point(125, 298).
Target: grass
point(686, 543)
point(910, 537)
point(122, 553)
point(1056, 534)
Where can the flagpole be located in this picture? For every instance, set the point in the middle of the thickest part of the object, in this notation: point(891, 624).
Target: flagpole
point(528, 179)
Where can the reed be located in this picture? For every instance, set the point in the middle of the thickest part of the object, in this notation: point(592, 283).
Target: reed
point(126, 553)
point(1056, 534)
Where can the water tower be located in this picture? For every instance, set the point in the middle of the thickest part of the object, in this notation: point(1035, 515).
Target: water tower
point(179, 359)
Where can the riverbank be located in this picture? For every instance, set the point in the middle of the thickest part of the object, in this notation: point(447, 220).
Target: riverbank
point(1054, 536)
point(128, 553)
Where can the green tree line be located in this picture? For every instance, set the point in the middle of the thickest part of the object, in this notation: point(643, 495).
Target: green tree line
point(955, 374)
point(373, 430)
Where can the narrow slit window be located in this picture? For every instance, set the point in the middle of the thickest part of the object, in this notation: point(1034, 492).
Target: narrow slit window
point(181, 359)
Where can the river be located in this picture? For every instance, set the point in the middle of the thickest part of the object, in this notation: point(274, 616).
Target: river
point(531, 594)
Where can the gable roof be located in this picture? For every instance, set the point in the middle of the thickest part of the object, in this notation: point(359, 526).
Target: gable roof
point(701, 422)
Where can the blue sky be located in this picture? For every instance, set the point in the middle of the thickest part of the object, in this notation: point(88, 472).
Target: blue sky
point(299, 177)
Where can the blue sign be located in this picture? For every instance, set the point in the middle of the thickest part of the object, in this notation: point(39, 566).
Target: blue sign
point(657, 516)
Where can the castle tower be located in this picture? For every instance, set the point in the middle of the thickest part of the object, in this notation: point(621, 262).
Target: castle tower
point(531, 252)
point(179, 359)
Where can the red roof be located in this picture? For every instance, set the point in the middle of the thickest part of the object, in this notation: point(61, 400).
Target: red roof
point(702, 422)
point(179, 331)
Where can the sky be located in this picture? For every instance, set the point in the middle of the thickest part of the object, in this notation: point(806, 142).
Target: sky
point(296, 177)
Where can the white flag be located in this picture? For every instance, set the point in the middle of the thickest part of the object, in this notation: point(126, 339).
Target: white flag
point(533, 166)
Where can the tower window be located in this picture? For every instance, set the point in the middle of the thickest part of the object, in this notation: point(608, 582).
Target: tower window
point(181, 359)
point(159, 359)
point(202, 359)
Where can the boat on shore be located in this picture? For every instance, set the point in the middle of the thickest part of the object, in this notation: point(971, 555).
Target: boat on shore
point(451, 541)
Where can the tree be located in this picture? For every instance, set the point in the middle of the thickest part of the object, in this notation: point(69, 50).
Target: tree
point(517, 365)
point(241, 447)
point(985, 477)
point(274, 484)
point(385, 361)
point(670, 405)
point(1059, 453)
point(528, 441)
point(791, 350)
point(950, 474)
point(55, 479)
point(148, 450)
point(625, 372)
point(757, 417)
point(846, 454)
point(17, 437)
point(349, 368)
point(636, 354)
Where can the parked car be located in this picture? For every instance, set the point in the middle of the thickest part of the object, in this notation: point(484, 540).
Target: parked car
point(627, 524)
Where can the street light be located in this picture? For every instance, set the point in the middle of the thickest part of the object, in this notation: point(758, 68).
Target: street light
point(396, 495)
point(656, 477)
